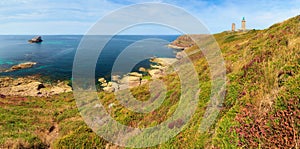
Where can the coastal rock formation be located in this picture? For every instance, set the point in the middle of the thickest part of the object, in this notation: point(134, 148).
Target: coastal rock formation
point(30, 87)
point(21, 66)
point(142, 69)
point(117, 83)
point(163, 61)
point(131, 81)
point(135, 74)
point(104, 84)
point(115, 78)
point(161, 66)
point(182, 42)
point(109, 89)
point(156, 67)
point(176, 47)
point(61, 87)
point(36, 39)
point(156, 73)
point(101, 80)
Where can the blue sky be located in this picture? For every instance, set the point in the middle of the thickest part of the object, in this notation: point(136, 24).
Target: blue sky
point(77, 16)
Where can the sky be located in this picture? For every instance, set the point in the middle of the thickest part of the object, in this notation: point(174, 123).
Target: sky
point(70, 17)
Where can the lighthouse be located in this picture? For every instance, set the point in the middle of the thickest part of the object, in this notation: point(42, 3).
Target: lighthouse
point(233, 27)
point(243, 24)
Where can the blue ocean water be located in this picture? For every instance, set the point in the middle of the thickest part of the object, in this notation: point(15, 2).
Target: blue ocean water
point(55, 55)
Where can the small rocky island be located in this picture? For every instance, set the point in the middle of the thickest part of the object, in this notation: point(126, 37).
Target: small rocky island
point(36, 39)
point(21, 66)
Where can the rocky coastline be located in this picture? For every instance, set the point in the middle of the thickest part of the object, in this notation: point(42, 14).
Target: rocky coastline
point(158, 69)
point(34, 86)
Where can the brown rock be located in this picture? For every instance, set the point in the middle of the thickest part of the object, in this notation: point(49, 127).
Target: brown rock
point(109, 89)
point(21, 66)
point(101, 80)
point(135, 74)
point(30, 87)
point(155, 73)
point(142, 69)
point(115, 78)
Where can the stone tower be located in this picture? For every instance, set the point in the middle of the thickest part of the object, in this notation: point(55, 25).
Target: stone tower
point(233, 27)
point(243, 24)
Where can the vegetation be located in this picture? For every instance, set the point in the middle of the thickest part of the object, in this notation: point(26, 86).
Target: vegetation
point(261, 107)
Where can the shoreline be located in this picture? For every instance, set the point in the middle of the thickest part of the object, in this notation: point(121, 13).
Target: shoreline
point(39, 86)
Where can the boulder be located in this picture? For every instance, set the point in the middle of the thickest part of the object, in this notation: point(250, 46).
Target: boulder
point(101, 80)
point(135, 74)
point(60, 88)
point(130, 81)
point(142, 69)
point(30, 89)
point(156, 67)
point(104, 84)
point(163, 61)
point(115, 78)
point(109, 84)
point(109, 89)
point(155, 73)
point(126, 79)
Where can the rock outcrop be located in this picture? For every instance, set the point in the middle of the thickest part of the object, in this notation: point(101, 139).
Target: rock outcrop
point(161, 66)
point(182, 42)
point(132, 79)
point(135, 74)
point(163, 61)
point(142, 69)
point(156, 73)
point(30, 87)
point(36, 39)
point(109, 89)
point(21, 66)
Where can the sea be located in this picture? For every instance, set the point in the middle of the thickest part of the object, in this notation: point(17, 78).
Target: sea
point(55, 55)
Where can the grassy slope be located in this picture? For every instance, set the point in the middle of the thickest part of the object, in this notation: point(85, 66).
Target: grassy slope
point(261, 108)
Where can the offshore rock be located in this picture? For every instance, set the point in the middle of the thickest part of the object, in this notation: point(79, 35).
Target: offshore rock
point(21, 66)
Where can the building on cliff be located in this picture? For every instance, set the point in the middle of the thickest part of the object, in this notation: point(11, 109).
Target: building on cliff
point(233, 27)
point(243, 26)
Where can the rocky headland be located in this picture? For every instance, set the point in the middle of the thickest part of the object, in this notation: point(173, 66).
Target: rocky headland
point(182, 42)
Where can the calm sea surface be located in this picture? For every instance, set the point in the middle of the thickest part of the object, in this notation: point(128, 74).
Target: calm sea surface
point(55, 55)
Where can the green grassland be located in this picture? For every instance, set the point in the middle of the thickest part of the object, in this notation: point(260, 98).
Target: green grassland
point(261, 107)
